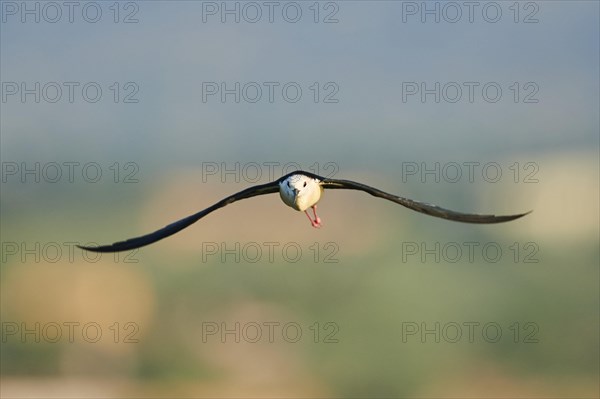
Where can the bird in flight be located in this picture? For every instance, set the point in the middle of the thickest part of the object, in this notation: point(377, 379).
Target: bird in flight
point(301, 190)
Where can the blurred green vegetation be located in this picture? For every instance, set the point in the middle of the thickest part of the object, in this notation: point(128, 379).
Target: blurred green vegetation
point(369, 295)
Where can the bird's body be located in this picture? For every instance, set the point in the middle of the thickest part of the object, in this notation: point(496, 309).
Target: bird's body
point(301, 190)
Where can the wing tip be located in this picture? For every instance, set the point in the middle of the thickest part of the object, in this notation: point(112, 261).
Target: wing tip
point(510, 218)
point(100, 249)
point(523, 214)
point(91, 249)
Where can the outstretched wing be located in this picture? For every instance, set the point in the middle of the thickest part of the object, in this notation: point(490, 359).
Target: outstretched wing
point(422, 207)
point(179, 225)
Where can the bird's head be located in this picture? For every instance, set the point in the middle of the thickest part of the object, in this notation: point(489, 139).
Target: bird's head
point(300, 191)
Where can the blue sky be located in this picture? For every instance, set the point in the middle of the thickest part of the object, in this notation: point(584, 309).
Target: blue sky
point(366, 58)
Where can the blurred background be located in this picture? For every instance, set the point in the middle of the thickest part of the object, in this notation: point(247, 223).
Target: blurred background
point(120, 117)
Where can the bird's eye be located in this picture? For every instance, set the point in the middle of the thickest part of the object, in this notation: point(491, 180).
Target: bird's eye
point(304, 184)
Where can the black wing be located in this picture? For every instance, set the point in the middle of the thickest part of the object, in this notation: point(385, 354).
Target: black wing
point(173, 228)
point(422, 207)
